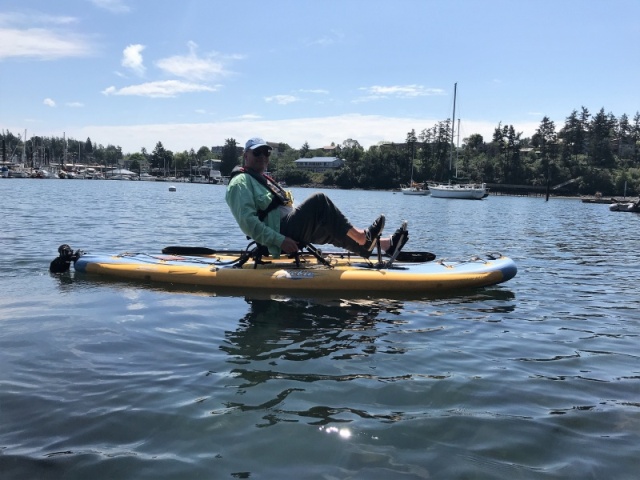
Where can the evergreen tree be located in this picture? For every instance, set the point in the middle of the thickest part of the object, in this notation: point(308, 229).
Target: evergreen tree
point(573, 136)
point(635, 138)
point(159, 158)
point(601, 129)
point(513, 167)
point(623, 136)
point(229, 157)
point(304, 150)
point(545, 139)
point(584, 127)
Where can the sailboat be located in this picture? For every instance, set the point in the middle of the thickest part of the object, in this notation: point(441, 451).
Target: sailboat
point(469, 191)
point(414, 188)
point(20, 170)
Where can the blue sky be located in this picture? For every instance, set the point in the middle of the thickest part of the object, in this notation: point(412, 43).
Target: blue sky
point(195, 72)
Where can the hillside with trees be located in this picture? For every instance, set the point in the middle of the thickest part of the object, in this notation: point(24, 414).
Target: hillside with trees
point(590, 153)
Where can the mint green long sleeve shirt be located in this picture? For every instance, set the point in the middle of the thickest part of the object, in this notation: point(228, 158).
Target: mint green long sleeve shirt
point(245, 197)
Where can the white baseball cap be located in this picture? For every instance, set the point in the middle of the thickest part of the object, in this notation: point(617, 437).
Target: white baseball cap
point(254, 143)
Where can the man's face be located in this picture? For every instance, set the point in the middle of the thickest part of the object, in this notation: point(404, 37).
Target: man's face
point(257, 159)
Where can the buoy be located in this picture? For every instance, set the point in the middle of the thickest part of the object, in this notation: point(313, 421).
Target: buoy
point(172, 188)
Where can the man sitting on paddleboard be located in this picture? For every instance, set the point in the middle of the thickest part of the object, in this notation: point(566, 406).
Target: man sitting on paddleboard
point(264, 211)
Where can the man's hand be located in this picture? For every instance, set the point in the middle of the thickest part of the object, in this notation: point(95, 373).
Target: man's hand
point(289, 245)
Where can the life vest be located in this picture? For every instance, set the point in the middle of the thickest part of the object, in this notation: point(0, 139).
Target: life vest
point(280, 196)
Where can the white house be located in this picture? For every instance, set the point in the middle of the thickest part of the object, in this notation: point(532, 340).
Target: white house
point(319, 164)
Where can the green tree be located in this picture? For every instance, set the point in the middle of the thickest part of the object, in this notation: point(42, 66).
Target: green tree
point(513, 171)
point(282, 165)
point(88, 150)
point(112, 155)
point(159, 158)
point(573, 135)
point(411, 151)
point(137, 162)
point(545, 139)
point(635, 138)
point(204, 153)
point(585, 116)
point(595, 180)
point(601, 130)
point(380, 167)
point(295, 177)
point(229, 157)
point(304, 150)
point(623, 136)
point(181, 160)
point(351, 175)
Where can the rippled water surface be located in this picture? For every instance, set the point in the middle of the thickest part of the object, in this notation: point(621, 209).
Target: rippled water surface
point(535, 378)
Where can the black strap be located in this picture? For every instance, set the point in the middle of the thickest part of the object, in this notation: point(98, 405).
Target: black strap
point(279, 193)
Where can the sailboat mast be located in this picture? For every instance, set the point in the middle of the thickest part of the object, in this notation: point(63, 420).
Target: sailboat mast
point(24, 149)
point(457, 147)
point(453, 127)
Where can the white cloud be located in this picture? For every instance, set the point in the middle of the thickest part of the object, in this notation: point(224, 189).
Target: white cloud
point(74, 104)
point(377, 92)
point(281, 99)
point(41, 44)
point(368, 130)
point(114, 6)
point(327, 40)
point(193, 67)
point(318, 91)
point(249, 116)
point(34, 18)
point(161, 89)
point(132, 58)
point(49, 102)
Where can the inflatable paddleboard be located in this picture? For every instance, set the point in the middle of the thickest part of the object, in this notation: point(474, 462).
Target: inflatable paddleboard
point(411, 272)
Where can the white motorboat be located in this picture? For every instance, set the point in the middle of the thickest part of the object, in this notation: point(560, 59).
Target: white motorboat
point(415, 189)
point(198, 179)
point(145, 177)
point(625, 206)
point(18, 172)
point(41, 173)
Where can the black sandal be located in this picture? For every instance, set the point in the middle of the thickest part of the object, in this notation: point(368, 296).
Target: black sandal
point(372, 234)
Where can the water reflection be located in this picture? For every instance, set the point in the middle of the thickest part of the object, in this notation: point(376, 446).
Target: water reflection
point(298, 329)
point(298, 350)
point(317, 360)
point(302, 353)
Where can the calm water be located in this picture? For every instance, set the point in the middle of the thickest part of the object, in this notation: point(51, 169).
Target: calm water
point(536, 378)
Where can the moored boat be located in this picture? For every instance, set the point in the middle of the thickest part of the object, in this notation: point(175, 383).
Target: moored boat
point(469, 191)
point(625, 206)
point(41, 173)
point(18, 172)
point(146, 177)
point(415, 189)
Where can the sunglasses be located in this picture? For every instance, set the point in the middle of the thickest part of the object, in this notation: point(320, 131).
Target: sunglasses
point(258, 152)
